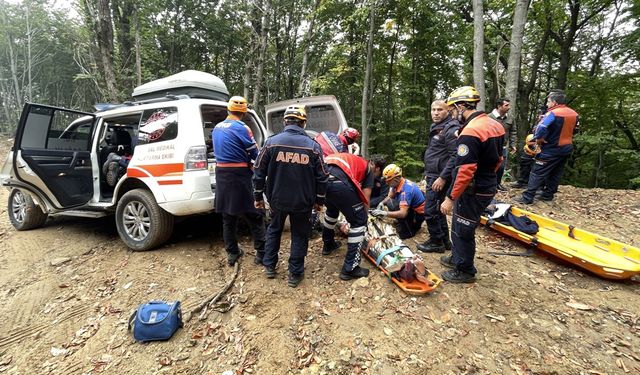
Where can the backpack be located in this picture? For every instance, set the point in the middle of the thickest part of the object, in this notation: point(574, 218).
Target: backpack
point(155, 320)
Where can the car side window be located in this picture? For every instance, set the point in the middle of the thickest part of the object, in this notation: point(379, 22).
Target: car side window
point(157, 125)
point(53, 129)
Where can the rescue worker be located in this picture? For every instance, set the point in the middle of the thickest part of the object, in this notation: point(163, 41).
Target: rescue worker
point(479, 155)
point(554, 135)
point(380, 189)
point(405, 202)
point(332, 143)
point(234, 148)
point(290, 170)
point(348, 192)
point(439, 159)
point(500, 114)
point(526, 159)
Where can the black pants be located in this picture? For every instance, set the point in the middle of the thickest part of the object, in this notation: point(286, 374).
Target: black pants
point(466, 216)
point(436, 221)
point(526, 162)
point(503, 166)
point(546, 174)
point(343, 197)
point(410, 224)
point(300, 229)
point(256, 226)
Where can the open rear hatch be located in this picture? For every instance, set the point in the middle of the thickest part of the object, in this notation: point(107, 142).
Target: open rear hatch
point(323, 114)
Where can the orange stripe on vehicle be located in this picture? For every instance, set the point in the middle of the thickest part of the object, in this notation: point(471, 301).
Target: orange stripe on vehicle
point(156, 170)
point(170, 182)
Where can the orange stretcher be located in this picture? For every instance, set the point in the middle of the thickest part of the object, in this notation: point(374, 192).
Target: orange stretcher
point(600, 255)
point(384, 247)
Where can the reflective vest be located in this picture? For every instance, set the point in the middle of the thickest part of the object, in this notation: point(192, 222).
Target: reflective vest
point(353, 166)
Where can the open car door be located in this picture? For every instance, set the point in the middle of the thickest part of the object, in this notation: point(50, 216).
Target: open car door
point(52, 154)
point(323, 114)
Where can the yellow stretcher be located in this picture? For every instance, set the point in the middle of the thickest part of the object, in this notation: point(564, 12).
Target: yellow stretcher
point(600, 255)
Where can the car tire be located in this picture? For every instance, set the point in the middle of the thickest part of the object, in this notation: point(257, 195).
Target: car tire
point(141, 223)
point(24, 214)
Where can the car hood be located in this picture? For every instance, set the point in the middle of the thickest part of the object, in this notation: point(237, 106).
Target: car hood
point(323, 114)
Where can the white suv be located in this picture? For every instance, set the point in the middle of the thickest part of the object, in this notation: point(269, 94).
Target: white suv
point(163, 141)
point(56, 163)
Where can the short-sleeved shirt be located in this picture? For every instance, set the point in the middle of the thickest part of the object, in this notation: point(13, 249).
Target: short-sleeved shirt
point(409, 195)
point(233, 142)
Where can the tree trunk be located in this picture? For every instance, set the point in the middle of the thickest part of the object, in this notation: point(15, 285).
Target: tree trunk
point(515, 54)
point(137, 42)
point(478, 51)
point(307, 47)
point(367, 81)
point(105, 43)
point(264, 38)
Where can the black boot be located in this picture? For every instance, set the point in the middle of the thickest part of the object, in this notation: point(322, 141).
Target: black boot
point(232, 258)
point(356, 273)
point(447, 243)
point(432, 246)
point(295, 279)
point(456, 276)
point(328, 249)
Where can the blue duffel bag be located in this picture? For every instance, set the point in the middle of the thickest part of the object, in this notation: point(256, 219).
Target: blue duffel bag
point(156, 320)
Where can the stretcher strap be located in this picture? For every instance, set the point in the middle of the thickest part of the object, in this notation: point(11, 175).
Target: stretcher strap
point(387, 252)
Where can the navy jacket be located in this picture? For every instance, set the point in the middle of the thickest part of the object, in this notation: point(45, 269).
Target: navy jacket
point(557, 128)
point(440, 156)
point(291, 172)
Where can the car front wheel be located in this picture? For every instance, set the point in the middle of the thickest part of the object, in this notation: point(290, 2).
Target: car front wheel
point(141, 223)
point(23, 212)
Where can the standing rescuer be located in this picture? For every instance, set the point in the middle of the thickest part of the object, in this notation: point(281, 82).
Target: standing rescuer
point(439, 160)
point(348, 191)
point(290, 171)
point(234, 148)
point(554, 135)
point(479, 155)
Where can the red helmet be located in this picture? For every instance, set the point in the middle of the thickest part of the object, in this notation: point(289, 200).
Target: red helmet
point(351, 135)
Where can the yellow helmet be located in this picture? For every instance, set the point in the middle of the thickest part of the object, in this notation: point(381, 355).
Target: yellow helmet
point(296, 111)
point(391, 171)
point(237, 104)
point(531, 147)
point(463, 94)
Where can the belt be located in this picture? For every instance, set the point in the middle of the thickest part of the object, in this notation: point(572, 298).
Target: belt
point(232, 165)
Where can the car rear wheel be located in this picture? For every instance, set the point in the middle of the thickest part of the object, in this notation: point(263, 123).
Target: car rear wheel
point(141, 223)
point(23, 212)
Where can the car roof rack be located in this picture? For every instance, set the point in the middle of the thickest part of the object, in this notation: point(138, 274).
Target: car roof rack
point(101, 107)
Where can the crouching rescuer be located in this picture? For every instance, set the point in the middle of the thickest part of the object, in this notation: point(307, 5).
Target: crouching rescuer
point(348, 192)
point(474, 185)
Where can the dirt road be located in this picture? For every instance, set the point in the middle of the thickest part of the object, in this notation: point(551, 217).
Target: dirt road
point(67, 290)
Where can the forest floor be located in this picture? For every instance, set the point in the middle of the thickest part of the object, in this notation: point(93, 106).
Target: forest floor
point(67, 290)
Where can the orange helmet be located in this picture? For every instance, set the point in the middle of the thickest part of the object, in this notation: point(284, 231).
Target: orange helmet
point(296, 111)
point(391, 171)
point(237, 104)
point(531, 147)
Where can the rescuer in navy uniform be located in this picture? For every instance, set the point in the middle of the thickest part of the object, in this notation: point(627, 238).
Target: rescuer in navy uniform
point(348, 191)
point(291, 172)
point(234, 148)
point(479, 156)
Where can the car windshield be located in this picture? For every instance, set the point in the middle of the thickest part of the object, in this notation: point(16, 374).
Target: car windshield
point(319, 118)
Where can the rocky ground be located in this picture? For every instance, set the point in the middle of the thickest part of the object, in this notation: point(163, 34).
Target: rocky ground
point(67, 290)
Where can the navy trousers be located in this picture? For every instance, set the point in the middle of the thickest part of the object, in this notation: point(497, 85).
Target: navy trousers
point(343, 197)
point(300, 229)
point(546, 174)
point(410, 225)
point(256, 226)
point(466, 216)
point(436, 221)
point(526, 162)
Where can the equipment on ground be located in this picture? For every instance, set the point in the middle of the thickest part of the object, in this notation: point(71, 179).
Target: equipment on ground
point(386, 251)
point(600, 255)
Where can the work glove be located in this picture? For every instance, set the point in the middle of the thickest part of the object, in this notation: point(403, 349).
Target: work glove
point(379, 213)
